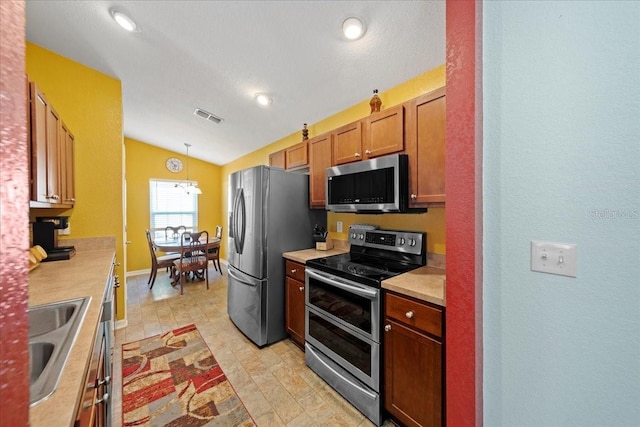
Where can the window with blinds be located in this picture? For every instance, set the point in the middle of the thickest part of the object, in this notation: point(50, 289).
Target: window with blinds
point(171, 205)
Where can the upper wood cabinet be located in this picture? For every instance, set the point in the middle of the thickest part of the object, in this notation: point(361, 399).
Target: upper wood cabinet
point(51, 150)
point(277, 159)
point(347, 143)
point(320, 152)
point(384, 133)
point(67, 166)
point(38, 144)
point(297, 156)
point(425, 145)
point(379, 134)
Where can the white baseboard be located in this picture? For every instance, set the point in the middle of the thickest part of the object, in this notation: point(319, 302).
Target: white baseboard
point(148, 270)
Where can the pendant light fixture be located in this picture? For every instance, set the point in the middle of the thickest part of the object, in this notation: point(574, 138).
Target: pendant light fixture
point(188, 186)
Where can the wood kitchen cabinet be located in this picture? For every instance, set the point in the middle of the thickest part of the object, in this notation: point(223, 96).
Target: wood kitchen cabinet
point(51, 151)
point(294, 318)
point(320, 158)
point(67, 166)
point(425, 145)
point(94, 396)
point(414, 361)
point(380, 134)
point(40, 163)
point(384, 133)
point(297, 156)
point(347, 143)
point(277, 159)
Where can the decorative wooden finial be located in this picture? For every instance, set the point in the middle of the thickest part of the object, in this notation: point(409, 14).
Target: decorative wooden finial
point(375, 102)
point(305, 132)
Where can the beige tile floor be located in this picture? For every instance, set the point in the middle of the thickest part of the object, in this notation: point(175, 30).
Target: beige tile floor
point(274, 383)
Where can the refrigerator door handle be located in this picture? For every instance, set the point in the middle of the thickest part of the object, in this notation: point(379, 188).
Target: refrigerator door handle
point(242, 212)
point(233, 227)
point(239, 279)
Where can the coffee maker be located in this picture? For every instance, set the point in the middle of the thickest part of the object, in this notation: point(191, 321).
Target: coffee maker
point(45, 234)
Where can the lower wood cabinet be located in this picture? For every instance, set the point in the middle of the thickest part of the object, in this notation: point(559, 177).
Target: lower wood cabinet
point(92, 410)
point(413, 344)
point(294, 318)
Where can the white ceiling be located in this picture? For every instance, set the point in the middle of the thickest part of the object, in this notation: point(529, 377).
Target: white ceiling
point(216, 55)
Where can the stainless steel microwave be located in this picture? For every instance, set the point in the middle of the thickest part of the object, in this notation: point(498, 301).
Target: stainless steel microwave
point(370, 186)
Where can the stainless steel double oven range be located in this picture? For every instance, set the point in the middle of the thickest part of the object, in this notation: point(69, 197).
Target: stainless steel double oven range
point(344, 312)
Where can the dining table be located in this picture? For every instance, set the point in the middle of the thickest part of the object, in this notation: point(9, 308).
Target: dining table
point(175, 245)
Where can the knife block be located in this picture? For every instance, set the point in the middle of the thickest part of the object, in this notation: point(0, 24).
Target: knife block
point(326, 245)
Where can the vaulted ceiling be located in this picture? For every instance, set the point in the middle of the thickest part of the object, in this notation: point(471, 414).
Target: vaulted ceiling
point(216, 55)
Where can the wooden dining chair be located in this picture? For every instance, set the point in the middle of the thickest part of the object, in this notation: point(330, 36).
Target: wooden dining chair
point(165, 261)
point(213, 254)
point(174, 232)
point(193, 256)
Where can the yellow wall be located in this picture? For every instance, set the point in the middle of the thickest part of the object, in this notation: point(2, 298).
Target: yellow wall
point(432, 222)
point(145, 162)
point(90, 104)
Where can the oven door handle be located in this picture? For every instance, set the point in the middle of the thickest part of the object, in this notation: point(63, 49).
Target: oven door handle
point(367, 393)
point(332, 280)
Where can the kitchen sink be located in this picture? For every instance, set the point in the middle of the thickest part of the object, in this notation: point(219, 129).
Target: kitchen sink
point(39, 355)
point(52, 331)
point(46, 318)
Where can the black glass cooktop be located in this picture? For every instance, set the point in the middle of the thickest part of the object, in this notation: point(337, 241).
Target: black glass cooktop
point(363, 269)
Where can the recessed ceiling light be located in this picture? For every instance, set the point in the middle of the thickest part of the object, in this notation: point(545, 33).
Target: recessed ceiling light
point(353, 28)
point(263, 99)
point(124, 21)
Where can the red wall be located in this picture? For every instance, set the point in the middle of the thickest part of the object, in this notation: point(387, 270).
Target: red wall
point(14, 220)
point(464, 214)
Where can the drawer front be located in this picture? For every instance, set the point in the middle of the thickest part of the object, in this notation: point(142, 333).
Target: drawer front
point(294, 270)
point(413, 313)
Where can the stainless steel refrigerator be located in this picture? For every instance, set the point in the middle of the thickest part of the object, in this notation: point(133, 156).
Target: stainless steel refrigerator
point(268, 214)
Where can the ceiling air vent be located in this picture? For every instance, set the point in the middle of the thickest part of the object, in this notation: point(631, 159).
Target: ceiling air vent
point(207, 115)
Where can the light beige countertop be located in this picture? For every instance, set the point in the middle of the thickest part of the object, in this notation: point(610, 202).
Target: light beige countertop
point(424, 283)
point(305, 255)
point(85, 274)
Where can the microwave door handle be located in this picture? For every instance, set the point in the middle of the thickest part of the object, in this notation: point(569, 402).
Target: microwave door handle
point(334, 281)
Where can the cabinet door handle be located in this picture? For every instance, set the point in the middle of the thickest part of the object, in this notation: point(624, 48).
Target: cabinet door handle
point(413, 197)
point(409, 314)
point(107, 380)
point(294, 271)
point(356, 155)
point(367, 151)
point(105, 399)
point(301, 288)
point(387, 328)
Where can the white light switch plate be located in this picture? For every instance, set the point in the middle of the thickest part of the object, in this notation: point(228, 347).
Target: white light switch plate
point(553, 258)
point(339, 226)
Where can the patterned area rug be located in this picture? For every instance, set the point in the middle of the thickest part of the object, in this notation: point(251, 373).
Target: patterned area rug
point(173, 380)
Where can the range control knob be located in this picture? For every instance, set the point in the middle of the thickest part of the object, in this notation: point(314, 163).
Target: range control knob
point(401, 241)
point(361, 236)
point(354, 235)
point(412, 242)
